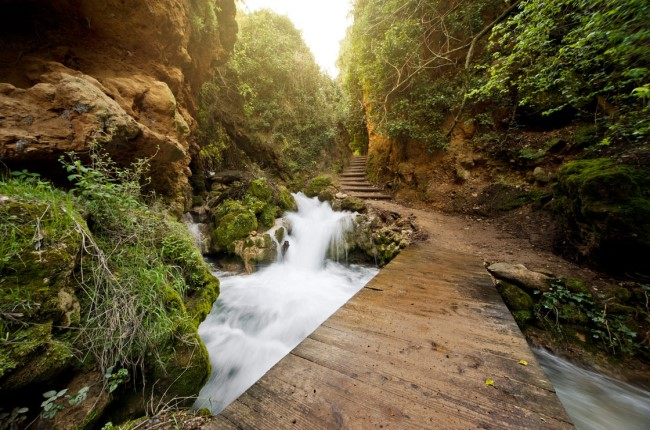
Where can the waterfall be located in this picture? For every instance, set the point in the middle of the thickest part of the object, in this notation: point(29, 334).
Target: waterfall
point(594, 401)
point(197, 230)
point(259, 318)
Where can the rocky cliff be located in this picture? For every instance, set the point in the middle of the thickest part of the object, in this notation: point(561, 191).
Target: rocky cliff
point(121, 76)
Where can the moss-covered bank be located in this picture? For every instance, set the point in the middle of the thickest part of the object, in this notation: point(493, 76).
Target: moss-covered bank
point(95, 279)
point(605, 210)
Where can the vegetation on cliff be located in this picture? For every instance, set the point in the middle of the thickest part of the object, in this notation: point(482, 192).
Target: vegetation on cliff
point(271, 101)
point(96, 278)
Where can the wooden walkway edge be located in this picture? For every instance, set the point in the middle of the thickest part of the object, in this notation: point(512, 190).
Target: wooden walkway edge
point(412, 350)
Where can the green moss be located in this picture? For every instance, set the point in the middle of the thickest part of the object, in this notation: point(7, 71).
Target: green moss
point(523, 317)
point(182, 369)
point(199, 303)
point(572, 313)
point(515, 298)
point(353, 204)
point(197, 201)
point(268, 215)
point(585, 135)
point(261, 189)
point(619, 309)
point(576, 286)
point(280, 233)
point(317, 185)
point(605, 209)
point(286, 200)
point(236, 223)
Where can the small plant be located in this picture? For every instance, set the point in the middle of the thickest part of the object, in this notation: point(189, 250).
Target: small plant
point(13, 420)
point(50, 405)
point(561, 305)
point(116, 379)
point(53, 402)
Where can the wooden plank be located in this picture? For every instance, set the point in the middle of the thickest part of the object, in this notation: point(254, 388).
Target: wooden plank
point(412, 349)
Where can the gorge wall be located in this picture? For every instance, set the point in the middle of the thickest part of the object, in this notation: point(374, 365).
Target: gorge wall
point(119, 75)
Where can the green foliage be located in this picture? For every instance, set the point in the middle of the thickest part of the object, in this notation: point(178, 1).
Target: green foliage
point(114, 380)
point(131, 267)
point(560, 306)
point(54, 403)
point(50, 405)
point(275, 92)
point(400, 64)
point(203, 18)
point(578, 53)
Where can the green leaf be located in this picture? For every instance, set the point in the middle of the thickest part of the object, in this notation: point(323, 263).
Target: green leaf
point(49, 394)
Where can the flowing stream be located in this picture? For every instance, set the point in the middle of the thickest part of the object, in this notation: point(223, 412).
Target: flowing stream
point(259, 318)
point(594, 401)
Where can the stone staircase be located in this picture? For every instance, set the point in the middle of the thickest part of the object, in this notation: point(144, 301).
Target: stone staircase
point(353, 181)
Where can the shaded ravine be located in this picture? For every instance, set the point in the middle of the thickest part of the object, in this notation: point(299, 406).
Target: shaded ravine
point(260, 317)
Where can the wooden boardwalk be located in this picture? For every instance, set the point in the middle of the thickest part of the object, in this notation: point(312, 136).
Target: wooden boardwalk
point(412, 350)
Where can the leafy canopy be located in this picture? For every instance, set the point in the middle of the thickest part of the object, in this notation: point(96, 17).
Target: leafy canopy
point(276, 92)
point(578, 53)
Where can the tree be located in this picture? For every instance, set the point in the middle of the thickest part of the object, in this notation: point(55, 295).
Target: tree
point(275, 91)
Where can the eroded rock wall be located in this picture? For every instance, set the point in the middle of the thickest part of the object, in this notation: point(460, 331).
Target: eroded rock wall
point(120, 75)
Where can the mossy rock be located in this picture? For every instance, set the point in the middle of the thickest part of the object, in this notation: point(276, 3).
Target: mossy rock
point(40, 247)
point(523, 317)
point(326, 195)
point(234, 226)
point(286, 200)
point(182, 367)
point(605, 213)
point(514, 297)
point(351, 204)
point(576, 286)
point(571, 313)
point(619, 309)
point(261, 189)
point(197, 201)
point(268, 215)
point(317, 185)
point(280, 233)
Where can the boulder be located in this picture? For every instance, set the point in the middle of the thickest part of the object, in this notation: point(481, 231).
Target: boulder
point(519, 275)
point(542, 176)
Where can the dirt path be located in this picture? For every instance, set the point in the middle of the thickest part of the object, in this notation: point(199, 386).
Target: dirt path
point(495, 239)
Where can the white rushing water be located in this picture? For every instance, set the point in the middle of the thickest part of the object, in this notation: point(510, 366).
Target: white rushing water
point(594, 401)
point(259, 318)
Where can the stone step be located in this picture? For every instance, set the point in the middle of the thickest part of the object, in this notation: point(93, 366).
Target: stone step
point(369, 189)
point(353, 175)
point(370, 196)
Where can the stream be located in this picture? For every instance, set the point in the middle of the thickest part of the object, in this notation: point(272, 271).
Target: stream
point(594, 401)
point(259, 318)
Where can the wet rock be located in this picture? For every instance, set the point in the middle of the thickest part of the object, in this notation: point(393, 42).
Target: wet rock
point(255, 250)
point(519, 275)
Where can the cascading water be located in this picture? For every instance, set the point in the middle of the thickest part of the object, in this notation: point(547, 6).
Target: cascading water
point(594, 401)
point(259, 318)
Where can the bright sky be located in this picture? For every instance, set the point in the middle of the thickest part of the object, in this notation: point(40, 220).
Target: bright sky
point(322, 23)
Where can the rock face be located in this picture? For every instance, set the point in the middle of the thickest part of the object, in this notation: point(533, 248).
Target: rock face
point(121, 77)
